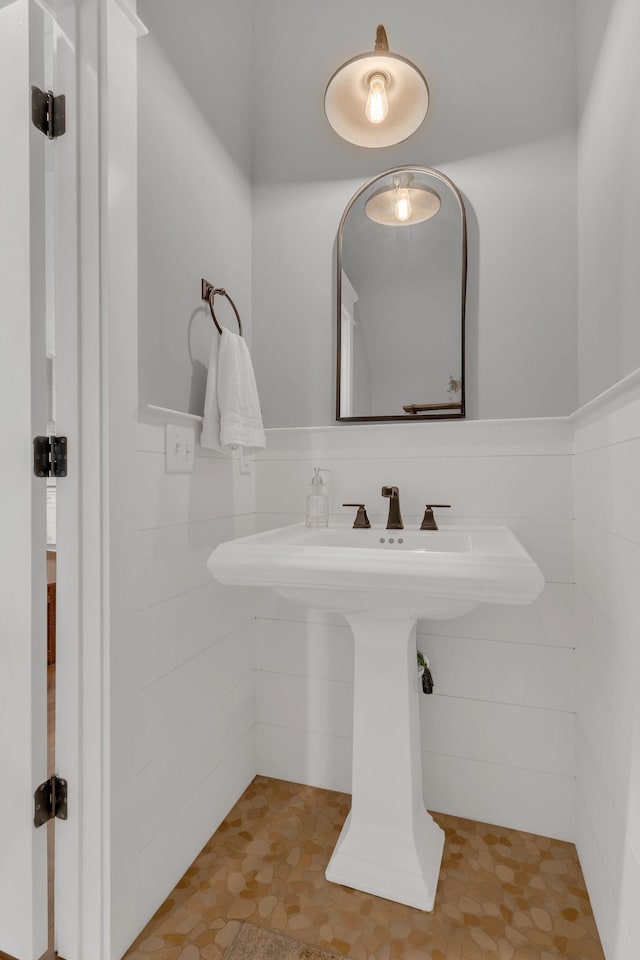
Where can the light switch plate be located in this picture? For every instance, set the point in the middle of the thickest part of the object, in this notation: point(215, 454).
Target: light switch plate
point(179, 448)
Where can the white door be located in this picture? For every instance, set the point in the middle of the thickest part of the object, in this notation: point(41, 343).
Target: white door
point(23, 379)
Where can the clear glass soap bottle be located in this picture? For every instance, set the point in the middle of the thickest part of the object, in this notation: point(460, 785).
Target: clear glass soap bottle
point(316, 512)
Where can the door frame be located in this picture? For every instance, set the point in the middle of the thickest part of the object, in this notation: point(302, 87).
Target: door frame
point(82, 506)
point(99, 608)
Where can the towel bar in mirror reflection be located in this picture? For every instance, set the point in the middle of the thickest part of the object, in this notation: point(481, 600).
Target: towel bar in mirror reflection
point(209, 292)
point(401, 279)
point(426, 407)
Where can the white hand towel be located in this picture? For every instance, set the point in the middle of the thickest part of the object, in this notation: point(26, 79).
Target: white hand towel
point(240, 416)
point(210, 436)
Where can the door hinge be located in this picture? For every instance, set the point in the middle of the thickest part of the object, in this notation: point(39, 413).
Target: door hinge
point(50, 801)
point(48, 113)
point(50, 456)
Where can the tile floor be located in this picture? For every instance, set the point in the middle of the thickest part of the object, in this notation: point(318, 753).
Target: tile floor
point(502, 895)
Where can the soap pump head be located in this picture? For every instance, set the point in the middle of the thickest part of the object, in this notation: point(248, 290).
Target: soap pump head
point(316, 480)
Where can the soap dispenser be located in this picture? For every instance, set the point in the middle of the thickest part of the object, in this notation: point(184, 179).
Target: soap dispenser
point(316, 511)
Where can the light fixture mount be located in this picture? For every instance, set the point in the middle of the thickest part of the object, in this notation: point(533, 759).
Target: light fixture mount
point(381, 74)
point(372, 114)
point(382, 41)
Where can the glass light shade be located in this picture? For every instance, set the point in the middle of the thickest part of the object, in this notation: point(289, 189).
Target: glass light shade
point(348, 90)
point(390, 205)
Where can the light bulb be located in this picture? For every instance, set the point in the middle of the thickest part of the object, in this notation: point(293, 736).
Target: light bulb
point(402, 210)
point(377, 104)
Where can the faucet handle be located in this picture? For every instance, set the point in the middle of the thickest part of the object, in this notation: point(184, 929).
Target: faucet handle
point(362, 520)
point(429, 521)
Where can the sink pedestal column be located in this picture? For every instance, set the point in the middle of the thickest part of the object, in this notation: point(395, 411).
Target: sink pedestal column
point(389, 846)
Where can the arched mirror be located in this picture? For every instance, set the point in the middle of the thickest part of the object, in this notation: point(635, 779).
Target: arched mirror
point(401, 280)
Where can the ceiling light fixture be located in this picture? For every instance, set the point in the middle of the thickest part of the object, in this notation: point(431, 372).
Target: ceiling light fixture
point(376, 99)
point(404, 203)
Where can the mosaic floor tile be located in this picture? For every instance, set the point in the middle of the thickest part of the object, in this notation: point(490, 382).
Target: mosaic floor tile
point(255, 943)
point(502, 894)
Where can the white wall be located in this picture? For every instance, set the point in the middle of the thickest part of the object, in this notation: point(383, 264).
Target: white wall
point(607, 556)
point(192, 668)
point(501, 124)
point(609, 193)
point(194, 108)
point(182, 674)
point(607, 471)
point(498, 732)
point(188, 679)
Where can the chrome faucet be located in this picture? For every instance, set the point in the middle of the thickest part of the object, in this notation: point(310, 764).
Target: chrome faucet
point(394, 521)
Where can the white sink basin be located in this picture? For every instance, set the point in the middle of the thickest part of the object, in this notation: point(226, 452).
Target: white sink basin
point(384, 581)
point(435, 574)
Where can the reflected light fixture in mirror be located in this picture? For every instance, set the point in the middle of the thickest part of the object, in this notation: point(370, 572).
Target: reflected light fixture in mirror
point(402, 204)
point(376, 99)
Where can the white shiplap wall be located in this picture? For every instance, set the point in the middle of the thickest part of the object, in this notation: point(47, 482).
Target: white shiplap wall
point(193, 665)
point(498, 735)
point(607, 564)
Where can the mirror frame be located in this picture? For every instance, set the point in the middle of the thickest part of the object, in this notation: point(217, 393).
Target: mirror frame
point(405, 417)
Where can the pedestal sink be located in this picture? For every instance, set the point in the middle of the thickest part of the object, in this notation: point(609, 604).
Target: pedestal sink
point(384, 582)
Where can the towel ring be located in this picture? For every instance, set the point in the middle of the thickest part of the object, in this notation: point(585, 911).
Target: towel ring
point(208, 294)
